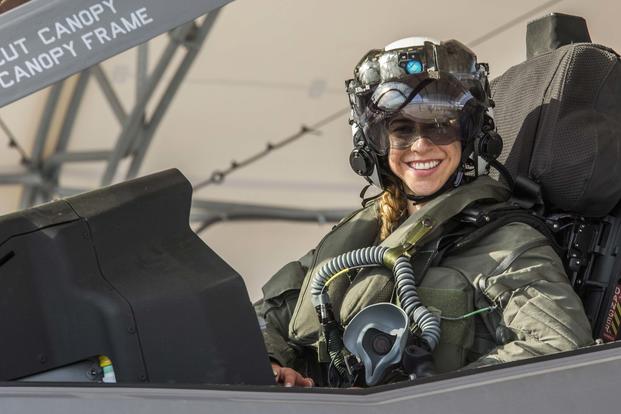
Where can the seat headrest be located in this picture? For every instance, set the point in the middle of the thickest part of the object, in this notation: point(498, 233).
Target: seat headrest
point(553, 31)
point(559, 115)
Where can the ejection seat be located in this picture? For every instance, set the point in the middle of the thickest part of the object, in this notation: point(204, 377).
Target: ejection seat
point(559, 114)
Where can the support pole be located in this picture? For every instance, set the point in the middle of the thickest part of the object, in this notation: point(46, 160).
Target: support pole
point(51, 172)
point(30, 193)
point(142, 68)
point(110, 94)
point(128, 134)
point(199, 35)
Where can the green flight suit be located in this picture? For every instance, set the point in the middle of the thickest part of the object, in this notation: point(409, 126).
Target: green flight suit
point(535, 310)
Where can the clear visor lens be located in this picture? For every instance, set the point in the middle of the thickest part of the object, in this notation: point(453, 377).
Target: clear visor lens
point(399, 113)
point(436, 97)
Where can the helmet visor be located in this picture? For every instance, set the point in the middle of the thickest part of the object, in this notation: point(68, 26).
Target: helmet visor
point(397, 113)
point(402, 131)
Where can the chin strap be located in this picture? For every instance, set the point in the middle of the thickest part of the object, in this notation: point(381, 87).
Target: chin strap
point(366, 200)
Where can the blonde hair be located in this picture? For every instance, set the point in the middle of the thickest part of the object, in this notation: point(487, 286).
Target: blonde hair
point(392, 205)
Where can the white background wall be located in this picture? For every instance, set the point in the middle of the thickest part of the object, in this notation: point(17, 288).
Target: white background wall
point(267, 68)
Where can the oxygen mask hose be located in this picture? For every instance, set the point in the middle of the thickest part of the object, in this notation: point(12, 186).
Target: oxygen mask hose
point(368, 256)
point(397, 259)
point(410, 302)
point(334, 341)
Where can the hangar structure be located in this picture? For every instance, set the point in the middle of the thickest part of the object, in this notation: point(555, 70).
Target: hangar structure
point(68, 37)
point(48, 40)
point(294, 89)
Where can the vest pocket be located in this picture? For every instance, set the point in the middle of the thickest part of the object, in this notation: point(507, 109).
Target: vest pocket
point(457, 336)
point(280, 294)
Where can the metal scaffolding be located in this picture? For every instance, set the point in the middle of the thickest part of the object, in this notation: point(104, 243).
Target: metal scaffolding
point(137, 130)
point(41, 171)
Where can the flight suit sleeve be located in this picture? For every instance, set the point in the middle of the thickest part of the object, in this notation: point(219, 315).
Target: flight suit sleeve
point(280, 295)
point(539, 312)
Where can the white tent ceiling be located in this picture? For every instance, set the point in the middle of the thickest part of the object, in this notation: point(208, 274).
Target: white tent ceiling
point(267, 68)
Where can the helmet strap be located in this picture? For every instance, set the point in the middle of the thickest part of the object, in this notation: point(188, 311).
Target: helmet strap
point(366, 200)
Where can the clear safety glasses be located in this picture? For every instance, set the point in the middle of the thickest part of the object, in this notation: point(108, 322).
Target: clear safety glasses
point(402, 132)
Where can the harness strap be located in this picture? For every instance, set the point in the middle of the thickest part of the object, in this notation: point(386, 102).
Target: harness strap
point(501, 217)
point(486, 220)
point(495, 291)
point(439, 211)
point(508, 261)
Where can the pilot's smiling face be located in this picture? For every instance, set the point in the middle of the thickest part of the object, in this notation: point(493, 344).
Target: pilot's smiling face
point(424, 167)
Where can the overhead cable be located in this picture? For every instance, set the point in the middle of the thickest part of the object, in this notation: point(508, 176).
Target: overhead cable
point(218, 176)
point(513, 22)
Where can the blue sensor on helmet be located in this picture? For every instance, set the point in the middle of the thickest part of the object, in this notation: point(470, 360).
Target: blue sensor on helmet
point(413, 66)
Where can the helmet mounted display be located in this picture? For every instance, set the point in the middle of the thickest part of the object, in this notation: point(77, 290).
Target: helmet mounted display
point(414, 88)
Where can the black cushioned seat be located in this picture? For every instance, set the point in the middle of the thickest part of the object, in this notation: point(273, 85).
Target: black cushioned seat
point(559, 114)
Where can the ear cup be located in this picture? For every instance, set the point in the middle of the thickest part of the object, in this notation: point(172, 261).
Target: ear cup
point(361, 161)
point(490, 145)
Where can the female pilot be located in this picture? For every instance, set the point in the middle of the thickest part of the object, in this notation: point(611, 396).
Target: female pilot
point(420, 122)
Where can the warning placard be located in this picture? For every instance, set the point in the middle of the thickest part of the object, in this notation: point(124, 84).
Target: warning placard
point(44, 41)
point(69, 37)
point(613, 319)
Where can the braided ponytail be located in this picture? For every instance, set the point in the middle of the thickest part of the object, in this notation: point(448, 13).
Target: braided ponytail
point(392, 205)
